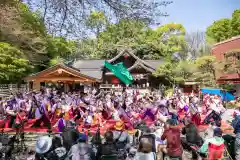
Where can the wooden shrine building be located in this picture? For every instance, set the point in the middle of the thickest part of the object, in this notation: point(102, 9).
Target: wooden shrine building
point(79, 73)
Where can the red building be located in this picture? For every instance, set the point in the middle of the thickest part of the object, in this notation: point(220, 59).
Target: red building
point(228, 50)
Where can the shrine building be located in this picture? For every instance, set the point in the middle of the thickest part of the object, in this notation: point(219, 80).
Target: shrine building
point(228, 50)
point(79, 73)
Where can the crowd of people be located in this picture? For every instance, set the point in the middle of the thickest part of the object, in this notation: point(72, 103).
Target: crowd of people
point(125, 125)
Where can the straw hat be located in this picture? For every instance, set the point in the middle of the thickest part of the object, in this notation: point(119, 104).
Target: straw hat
point(118, 125)
point(43, 144)
point(132, 131)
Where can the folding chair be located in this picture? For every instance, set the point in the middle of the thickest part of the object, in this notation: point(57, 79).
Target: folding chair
point(109, 157)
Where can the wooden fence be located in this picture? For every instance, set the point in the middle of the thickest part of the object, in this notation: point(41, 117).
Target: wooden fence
point(7, 89)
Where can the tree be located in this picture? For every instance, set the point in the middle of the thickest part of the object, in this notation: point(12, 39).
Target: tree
point(220, 30)
point(67, 17)
point(24, 29)
point(235, 23)
point(56, 60)
point(176, 73)
point(224, 28)
point(195, 46)
point(200, 70)
point(12, 66)
point(96, 22)
point(60, 48)
point(206, 67)
point(148, 43)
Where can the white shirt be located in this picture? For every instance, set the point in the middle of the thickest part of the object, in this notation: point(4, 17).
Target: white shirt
point(214, 107)
point(89, 119)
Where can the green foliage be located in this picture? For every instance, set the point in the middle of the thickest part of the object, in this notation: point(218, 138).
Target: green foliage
point(224, 28)
point(236, 23)
point(56, 60)
point(96, 21)
point(25, 30)
point(220, 30)
point(148, 43)
point(13, 67)
point(206, 67)
point(228, 87)
point(176, 73)
point(59, 46)
point(201, 70)
point(168, 92)
point(68, 17)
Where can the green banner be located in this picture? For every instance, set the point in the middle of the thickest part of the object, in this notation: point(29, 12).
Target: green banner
point(120, 72)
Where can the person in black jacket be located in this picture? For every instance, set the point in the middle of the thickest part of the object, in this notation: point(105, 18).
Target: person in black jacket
point(192, 136)
point(146, 133)
point(70, 136)
point(109, 147)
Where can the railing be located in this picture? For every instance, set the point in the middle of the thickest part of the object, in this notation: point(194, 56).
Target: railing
point(110, 86)
point(7, 89)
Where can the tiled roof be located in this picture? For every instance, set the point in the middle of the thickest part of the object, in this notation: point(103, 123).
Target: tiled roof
point(93, 73)
point(93, 68)
point(87, 64)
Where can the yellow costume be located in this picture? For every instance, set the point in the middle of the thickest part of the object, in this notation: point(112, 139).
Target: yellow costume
point(58, 111)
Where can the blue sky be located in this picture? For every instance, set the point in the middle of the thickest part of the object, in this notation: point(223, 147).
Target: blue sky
point(197, 15)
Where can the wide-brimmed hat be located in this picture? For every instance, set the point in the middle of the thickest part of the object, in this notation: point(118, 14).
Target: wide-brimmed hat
point(43, 144)
point(118, 125)
point(132, 131)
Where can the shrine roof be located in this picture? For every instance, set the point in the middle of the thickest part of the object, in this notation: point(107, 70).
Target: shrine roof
point(61, 67)
point(91, 68)
point(87, 64)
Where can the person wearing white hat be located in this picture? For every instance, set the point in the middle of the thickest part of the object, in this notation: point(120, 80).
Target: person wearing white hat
point(50, 148)
point(43, 144)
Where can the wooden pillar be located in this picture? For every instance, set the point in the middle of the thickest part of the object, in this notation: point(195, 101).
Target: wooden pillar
point(66, 87)
point(36, 85)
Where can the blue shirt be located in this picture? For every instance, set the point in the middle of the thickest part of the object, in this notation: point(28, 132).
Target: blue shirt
point(236, 124)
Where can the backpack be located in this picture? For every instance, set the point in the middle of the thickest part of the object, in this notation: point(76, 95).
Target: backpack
point(57, 154)
point(77, 155)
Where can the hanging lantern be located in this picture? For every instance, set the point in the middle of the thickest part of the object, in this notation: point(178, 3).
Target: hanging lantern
point(126, 56)
point(115, 80)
